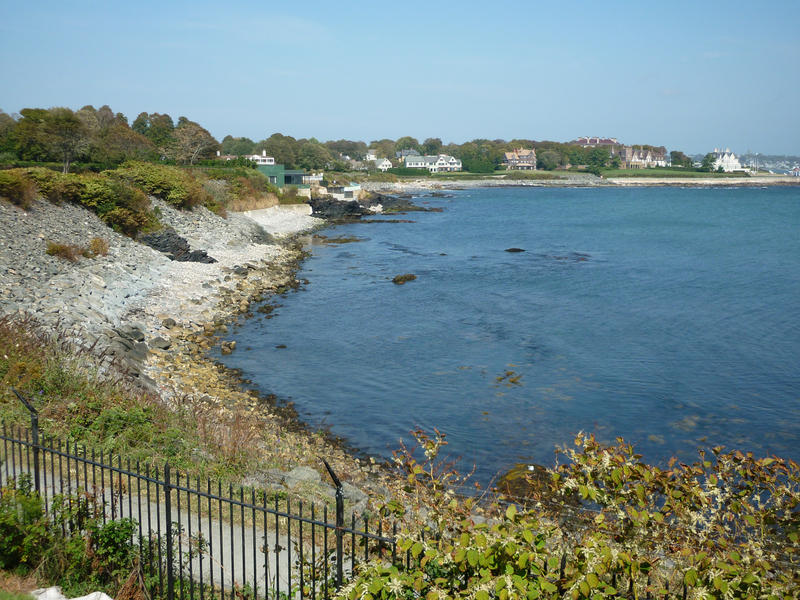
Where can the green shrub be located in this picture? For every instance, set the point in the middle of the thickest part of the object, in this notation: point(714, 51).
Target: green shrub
point(599, 526)
point(58, 187)
point(24, 527)
point(96, 556)
point(18, 187)
point(171, 184)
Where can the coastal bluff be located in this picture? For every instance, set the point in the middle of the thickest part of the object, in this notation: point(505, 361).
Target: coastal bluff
point(118, 302)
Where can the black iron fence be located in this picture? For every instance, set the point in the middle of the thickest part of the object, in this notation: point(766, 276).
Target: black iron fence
point(197, 539)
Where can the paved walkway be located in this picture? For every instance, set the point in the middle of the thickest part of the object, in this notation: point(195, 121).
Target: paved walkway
point(217, 552)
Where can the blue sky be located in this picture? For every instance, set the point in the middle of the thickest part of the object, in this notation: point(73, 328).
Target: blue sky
point(687, 75)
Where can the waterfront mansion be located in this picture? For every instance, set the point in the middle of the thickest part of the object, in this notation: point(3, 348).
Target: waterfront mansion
point(435, 164)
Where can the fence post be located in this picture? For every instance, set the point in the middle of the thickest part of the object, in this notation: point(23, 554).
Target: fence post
point(35, 434)
point(339, 524)
point(168, 521)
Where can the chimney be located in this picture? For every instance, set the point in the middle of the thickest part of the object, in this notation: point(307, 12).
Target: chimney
point(217, 152)
point(263, 153)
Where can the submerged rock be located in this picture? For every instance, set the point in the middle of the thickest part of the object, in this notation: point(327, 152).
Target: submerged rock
point(515, 250)
point(401, 279)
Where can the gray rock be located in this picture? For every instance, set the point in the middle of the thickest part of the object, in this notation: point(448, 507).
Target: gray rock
point(301, 475)
point(352, 493)
point(160, 343)
point(169, 323)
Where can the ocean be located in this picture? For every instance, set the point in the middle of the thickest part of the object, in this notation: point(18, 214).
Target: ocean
point(666, 316)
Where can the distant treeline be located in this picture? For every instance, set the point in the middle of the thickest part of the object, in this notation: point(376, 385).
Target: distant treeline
point(100, 138)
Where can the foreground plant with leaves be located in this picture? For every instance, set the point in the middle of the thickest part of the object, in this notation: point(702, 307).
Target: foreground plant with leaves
point(602, 525)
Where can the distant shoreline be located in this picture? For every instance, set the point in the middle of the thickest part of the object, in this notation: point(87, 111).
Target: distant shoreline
point(573, 180)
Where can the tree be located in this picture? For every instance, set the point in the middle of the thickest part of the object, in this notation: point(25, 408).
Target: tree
point(313, 155)
point(597, 158)
point(238, 146)
point(355, 150)
point(548, 160)
point(158, 129)
point(30, 142)
point(708, 162)
point(7, 126)
point(119, 143)
point(384, 147)
point(432, 146)
point(679, 159)
point(283, 148)
point(407, 143)
point(191, 142)
point(66, 134)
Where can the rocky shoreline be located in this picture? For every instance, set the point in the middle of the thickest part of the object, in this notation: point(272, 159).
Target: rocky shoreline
point(157, 318)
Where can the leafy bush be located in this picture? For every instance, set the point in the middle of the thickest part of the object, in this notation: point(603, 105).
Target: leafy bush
point(18, 187)
point(95, 556)
point(122, 206)
point(603, 525)
point(171, 184)
point(24, 531)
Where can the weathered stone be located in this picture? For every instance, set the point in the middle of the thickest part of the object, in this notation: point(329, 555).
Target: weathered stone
point(169, 322)
point(160, 343)
point(300, 475)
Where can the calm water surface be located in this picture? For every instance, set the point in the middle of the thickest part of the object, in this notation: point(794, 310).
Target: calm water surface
point(668, 316)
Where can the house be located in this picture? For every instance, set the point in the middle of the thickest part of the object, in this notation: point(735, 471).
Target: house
point(406, 152)
point(261, 159)
point(371, 155)
point(344, 192)
point(313, 178)
point(280, 176)
point(520, 160)
point(795, 172)
point(382, 164)
point(726, 160)
point(594, 142)
point(435, 163)
point(642, 157)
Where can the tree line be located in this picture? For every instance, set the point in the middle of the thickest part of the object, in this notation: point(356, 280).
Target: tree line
point(101, 137)
point(105, 138)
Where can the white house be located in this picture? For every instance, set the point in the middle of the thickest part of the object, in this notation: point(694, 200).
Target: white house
point(261, 159)
point(435, 164)
point(313, 178)
point(727, 160)
point(344, 192)
point(382, 164)
point(371, 155)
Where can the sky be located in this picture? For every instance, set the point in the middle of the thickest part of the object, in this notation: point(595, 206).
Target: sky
point(690, 76)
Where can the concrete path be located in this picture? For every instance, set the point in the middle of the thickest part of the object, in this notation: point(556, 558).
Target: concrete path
point(220, 552)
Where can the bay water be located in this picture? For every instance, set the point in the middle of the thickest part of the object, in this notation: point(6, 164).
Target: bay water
point(668, 316)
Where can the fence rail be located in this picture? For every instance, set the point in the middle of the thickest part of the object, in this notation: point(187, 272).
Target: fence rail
point(199, 540)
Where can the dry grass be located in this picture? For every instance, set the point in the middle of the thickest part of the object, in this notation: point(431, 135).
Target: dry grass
point(14, 584)
point(66, 251)
point(98, 246)
point(252, 202)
